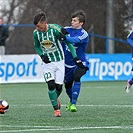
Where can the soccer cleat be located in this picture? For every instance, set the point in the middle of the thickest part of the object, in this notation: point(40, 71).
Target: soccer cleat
point(57, 113)
point(59, 105)
point(127, 88)
point(73, 108)
point(68, 106)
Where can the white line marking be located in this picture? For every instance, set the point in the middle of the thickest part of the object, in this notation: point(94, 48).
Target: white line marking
point(62, 128)
point(47, 105)
point(23, 126)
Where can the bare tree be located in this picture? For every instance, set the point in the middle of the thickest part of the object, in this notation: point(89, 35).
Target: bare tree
point(23, 11)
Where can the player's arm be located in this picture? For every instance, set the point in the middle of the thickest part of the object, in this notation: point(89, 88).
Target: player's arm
point(58, 32)
point(64, 36)
point(130, 41)
point(78, 62)
point(75, 39)
point(78, 39)
point(39, 51)
point(71, 48)
point(130, 38)
point(37, 45)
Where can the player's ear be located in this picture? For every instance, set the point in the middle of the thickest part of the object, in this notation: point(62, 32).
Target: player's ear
point(81, 23)
point(44, 22)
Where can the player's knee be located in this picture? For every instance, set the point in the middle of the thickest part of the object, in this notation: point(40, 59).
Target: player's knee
point(68, 85)
point(58, 87)
point(78, 74)
point(77, 78)
point(51, 85)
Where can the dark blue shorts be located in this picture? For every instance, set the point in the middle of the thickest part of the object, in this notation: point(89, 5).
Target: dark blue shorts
point(69, 74)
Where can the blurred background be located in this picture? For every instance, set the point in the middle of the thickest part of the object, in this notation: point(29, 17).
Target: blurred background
point(108, 22)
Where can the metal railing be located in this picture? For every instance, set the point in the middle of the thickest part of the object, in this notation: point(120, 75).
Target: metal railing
point(106, 40)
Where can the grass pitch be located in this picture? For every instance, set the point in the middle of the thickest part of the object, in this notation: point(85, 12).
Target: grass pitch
point(103, 107)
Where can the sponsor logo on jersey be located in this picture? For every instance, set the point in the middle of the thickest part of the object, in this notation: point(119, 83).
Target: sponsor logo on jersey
point(46, 44)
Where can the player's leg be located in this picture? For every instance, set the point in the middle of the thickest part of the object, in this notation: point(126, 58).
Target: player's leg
point(129, 84)
point(69, 77)
point(58, 89)
point(58, 92)
point(59, 78)
point(49, 76)
point(76, 87)
point(53, 97)
point(68, 87)
point(52, 94)
point(68, 81)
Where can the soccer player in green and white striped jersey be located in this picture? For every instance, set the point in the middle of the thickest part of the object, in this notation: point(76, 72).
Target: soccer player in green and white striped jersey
point(49, 48)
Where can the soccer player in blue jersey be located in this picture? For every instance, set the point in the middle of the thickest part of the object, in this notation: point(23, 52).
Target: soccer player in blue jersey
point(76, 35)
point(130, 81)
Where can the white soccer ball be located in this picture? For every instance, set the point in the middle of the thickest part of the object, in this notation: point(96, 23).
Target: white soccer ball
point(4, 106)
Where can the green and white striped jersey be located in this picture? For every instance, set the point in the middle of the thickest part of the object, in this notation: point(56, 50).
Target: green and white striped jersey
point(46, 43)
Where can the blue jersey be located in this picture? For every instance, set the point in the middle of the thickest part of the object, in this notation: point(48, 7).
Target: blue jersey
point(130, 38)
point(80, 39)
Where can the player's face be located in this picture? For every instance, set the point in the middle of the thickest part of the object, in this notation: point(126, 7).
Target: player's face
point(75, 23)
point(42, 26)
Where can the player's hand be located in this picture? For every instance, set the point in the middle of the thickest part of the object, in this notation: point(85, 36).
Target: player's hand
point(64, 31)
point(45, 59)
point(78, 62)
point(61, 37)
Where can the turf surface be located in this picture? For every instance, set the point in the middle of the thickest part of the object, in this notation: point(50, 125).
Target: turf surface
point(103, 107)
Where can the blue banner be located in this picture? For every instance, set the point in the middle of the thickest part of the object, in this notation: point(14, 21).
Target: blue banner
point(102, 67)
point(108, 67)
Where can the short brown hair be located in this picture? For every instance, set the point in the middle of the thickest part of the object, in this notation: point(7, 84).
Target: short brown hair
point(39, 17)
point(80, 14)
